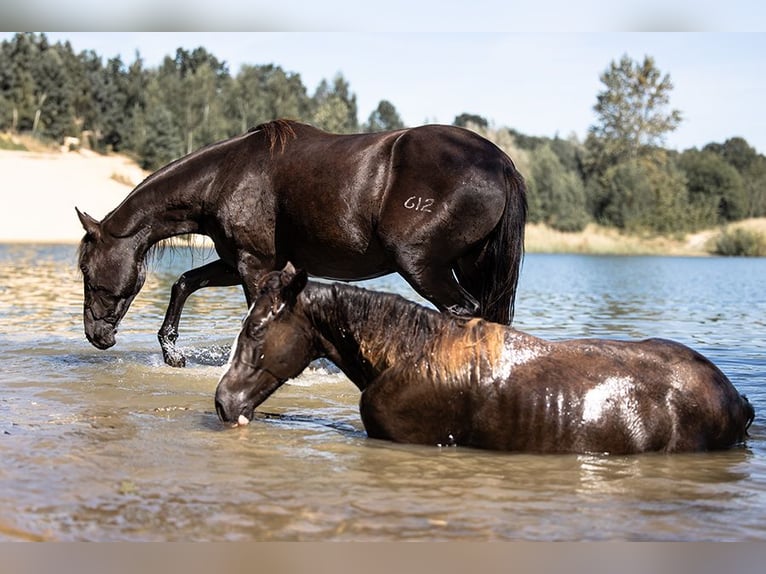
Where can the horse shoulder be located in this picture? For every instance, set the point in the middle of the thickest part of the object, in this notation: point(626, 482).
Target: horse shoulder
point(404, 406)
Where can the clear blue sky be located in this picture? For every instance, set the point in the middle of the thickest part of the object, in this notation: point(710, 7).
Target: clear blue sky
point(537, 83)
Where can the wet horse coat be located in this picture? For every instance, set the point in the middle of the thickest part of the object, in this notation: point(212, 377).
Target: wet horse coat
point(440, 205)
point(431, 378)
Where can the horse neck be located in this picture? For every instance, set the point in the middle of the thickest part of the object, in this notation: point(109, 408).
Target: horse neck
point(170, 201)
point(365, 333)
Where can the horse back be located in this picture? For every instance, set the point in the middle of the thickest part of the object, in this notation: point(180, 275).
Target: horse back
point(620, 397)
point(511, 391)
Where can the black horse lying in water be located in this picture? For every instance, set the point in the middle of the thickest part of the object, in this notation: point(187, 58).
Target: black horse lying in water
point(432, 378)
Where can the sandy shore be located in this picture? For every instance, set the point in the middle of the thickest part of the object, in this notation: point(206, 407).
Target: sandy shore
point(41, 189)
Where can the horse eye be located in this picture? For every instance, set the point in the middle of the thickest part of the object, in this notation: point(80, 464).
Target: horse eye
point(254, 330)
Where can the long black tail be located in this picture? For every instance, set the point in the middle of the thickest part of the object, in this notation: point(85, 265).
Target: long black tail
point(502, 258)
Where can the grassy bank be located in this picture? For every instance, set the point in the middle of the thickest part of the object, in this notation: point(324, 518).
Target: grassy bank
point(599, 240)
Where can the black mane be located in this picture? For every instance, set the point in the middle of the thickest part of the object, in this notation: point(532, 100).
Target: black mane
point(410, 327)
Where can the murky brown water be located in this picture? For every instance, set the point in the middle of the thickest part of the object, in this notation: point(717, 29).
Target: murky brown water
point(114, 445)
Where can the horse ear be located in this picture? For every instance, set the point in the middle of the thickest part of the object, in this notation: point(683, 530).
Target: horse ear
point(293, 282)
point(92, 226)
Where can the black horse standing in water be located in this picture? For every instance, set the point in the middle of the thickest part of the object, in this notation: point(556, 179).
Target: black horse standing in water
point(431, 378)
point(440, 205)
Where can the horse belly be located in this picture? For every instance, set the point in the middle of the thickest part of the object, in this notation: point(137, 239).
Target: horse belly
point(330, 246)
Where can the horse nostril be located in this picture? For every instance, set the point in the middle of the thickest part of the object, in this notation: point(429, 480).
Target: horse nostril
point(221, 411)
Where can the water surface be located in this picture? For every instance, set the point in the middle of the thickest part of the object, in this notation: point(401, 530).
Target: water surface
point(114, 445)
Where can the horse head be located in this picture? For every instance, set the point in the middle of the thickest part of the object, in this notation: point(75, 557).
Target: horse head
point(275, 344)
point(113, 274)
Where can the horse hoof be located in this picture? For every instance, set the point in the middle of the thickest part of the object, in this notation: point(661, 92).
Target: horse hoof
point(175, 360)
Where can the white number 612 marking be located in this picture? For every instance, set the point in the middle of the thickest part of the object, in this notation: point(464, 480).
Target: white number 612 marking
point(419, 204)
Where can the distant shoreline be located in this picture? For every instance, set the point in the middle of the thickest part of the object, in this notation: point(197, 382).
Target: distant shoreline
point(42, 188)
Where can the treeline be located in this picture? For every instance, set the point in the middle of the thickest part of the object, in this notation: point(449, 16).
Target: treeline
point(158, 114)
point(619, 176)
point(657, 190)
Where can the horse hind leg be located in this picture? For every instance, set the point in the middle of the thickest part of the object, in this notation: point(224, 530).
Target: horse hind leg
point(474, 275)
point(436, 282)
point(469, 276)
point(214, 274)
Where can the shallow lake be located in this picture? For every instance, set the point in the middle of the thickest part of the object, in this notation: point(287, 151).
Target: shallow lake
point(114, 445)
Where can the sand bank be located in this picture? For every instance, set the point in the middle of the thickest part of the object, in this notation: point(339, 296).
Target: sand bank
point(40, 190)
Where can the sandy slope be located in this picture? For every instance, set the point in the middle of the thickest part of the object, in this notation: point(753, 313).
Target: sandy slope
point(40, 191)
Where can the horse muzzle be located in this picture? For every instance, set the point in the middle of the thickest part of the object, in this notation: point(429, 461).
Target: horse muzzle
point(233, 408)
point(99, 332)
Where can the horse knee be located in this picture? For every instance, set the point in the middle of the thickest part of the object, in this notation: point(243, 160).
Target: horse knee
point(180, 287)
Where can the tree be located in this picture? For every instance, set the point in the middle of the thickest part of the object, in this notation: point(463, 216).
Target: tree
point(633, 109)
point(17, 81)
point(465, 120)
point(642, 194)
point(736, 151)
point(113, 105)
point(385, 117)
point(53, 94)
point(751, 166)
point(556, 195)
point(163, 142)
point(716, 190)
point(263, 93)
point(189, 86)
point(631, 181)
point(755, 187)
point(335, 106)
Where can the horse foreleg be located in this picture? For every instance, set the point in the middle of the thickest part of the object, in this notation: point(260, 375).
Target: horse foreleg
point(214, 274)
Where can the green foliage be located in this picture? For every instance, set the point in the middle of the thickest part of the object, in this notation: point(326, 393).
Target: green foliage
point(556, 195)
point(50, 91)
point(335, 107)
point(385, 117)
point(716, 190)
point(752, 168)
point(633, 183)
point(754, 181)
point(162, 141)
point(735, 151)
point(471, 121)
point(740, 242)
point(632, 109)
point(642, 194)
point(263, 93)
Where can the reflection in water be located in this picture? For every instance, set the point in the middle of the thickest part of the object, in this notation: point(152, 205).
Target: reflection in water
point(114, 445)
